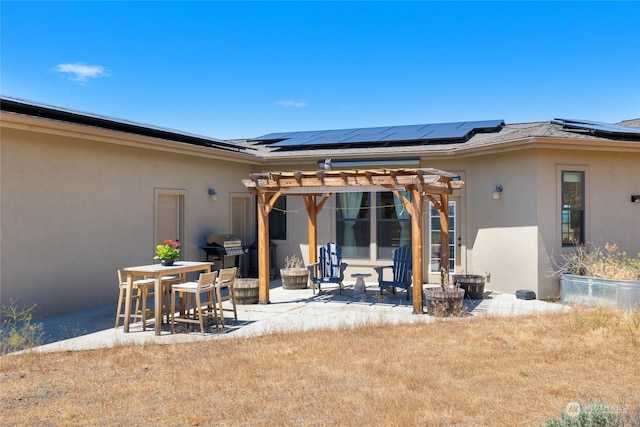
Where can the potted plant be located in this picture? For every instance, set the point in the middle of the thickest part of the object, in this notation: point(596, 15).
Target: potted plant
point(473, 285)
point(444, 300)
point(168, 252)
point(294, 274)
point(593, 275)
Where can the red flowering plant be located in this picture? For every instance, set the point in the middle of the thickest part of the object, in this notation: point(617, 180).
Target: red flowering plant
point(170, 250)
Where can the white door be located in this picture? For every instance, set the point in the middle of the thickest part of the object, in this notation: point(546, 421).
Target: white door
point(433, 238)
point(239, 220)
point(169, 217)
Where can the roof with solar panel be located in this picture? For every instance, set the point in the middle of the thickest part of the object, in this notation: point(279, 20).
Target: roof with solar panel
point(438, 138)
point(600, 129)
point(434, 133)
point(433, 139)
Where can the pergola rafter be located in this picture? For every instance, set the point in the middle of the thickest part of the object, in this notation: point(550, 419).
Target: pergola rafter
point(315, 187)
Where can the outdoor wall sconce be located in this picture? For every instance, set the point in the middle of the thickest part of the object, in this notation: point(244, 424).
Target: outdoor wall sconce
point(497, 191)
point(635, 198)
point(213, 194)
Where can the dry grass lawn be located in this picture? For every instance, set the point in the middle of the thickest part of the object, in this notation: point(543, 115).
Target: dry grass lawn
point(466, 372)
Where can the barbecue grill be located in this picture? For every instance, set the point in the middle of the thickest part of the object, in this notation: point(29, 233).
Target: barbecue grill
point(225, 248)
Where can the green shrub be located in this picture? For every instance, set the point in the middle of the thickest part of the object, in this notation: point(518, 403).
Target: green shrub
point(16, 330)
point(594, 414)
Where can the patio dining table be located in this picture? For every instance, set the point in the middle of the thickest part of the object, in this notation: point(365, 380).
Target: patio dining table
point(157, 271)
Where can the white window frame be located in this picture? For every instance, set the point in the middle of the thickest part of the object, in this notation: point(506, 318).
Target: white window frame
point(453, 213)
point(560, 168)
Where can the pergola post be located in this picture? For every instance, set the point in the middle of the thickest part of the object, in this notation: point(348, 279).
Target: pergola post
point(416, 249)
point(444, 234)
point(313, 208)
point(312, 220)
point(263, 249)
point(265, 205)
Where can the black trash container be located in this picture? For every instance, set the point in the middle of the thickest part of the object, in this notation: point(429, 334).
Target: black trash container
point(253, 259)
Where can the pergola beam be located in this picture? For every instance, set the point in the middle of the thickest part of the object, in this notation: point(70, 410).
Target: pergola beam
point(292, 183)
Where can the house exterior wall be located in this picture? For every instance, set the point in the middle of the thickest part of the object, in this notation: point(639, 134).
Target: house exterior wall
point(511, 240)
point(75, 209)
point(611, 179)
point(498, 238)
point(77, 203)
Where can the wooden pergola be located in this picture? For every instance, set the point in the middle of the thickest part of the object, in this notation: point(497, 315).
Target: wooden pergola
point(315, 187)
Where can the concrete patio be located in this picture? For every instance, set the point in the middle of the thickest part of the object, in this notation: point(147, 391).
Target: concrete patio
point(289, 310)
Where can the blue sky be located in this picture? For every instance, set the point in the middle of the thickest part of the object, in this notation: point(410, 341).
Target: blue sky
point(244, 69)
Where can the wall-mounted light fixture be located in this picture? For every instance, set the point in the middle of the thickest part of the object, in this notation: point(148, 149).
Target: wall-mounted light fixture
point(635, 198)
point(497, 191)
point(213, 194)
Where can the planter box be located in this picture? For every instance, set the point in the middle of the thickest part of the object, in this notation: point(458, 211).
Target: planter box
point(294, 278)
point(625, 294)
point(443, 303)
point(246, 291)
point(473, 285)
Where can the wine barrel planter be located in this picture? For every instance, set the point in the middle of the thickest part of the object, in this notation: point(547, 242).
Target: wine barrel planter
point(293, 278)
point(443, 303)
point(473, 284)
point(246, 291)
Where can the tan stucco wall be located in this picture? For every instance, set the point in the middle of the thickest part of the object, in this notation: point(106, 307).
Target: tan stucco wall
point(611, 179)
point(498, 237)
point(75, 210)
point(515, 237)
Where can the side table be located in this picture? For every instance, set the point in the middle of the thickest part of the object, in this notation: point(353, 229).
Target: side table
point(360, 287)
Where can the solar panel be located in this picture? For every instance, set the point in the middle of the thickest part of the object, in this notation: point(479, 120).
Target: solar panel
point(296, 141)
point(607, 129)
point(360, 138)
point(408, 128)
point(452, 125)
point(487, 125)
point(407, 136)
point(599, 127)
point(329, 137)
point(296, 138)
point(273, 136)
point(444, 133)
point(425, 133)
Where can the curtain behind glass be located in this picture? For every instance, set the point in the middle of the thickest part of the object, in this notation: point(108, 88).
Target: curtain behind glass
point(350, 203)
point(402, 213)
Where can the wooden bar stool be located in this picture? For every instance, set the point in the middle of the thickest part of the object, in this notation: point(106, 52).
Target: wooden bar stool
point(167, 283)
point(141, 290)
point(202, 309)
point(226, 280)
